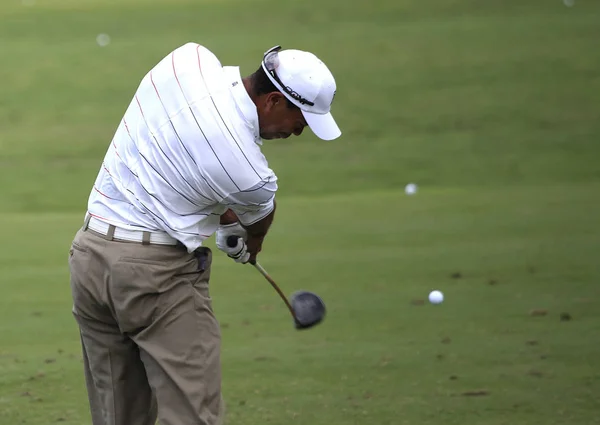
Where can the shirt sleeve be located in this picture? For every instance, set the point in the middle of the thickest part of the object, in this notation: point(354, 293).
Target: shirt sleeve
point(253, 204)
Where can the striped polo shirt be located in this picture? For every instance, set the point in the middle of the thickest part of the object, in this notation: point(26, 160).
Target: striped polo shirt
point(186, 150)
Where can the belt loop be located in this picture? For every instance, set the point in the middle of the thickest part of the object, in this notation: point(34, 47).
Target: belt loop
point(110, 235)
point(86, 222)
point(145, 238)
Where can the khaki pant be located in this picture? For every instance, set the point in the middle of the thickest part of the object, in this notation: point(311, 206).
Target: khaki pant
point(151, 343)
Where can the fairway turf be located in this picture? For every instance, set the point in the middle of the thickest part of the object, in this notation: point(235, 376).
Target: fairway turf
point(492, 108)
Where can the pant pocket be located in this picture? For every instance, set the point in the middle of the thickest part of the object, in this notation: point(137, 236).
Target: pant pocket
point(134, 287)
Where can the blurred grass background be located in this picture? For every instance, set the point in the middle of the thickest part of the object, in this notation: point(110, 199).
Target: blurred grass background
point(492, 108)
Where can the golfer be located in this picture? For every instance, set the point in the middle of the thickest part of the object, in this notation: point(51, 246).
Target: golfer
point(185, 163)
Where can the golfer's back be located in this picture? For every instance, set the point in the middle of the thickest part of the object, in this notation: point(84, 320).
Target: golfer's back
point(185, 149)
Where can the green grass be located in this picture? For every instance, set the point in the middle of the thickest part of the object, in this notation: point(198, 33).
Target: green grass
point(491, 107)
point(377, 357)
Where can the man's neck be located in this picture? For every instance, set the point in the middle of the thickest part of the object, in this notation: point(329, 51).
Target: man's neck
point(248, 85)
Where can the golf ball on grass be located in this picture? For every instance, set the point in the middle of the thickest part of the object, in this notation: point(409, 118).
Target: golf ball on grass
point(436, 297)
point(411, 189)
point(103, 40)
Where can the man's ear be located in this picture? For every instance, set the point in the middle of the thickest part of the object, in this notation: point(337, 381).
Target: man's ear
point(274, 100)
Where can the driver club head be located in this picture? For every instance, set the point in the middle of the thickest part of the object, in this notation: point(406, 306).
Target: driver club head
point(309, 309)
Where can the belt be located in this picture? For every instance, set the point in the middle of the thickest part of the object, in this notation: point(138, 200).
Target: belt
point(117, 233)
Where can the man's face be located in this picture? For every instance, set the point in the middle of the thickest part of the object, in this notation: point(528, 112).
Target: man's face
point(277, 119)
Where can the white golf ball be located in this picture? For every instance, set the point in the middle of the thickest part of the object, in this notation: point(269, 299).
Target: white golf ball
point(410, 189)
point(436, 297)
point(103, 40)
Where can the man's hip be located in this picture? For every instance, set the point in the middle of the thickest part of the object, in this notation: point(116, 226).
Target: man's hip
point(126, 278)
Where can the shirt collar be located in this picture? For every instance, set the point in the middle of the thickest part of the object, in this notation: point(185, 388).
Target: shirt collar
point(242, 99)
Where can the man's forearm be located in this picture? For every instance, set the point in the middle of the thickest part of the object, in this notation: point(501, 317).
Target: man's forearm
point(261, 227)
point(256, 235)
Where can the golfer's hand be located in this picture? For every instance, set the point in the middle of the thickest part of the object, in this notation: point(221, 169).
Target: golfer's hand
point(239, 252)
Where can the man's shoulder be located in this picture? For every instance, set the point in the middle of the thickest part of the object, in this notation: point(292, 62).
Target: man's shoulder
point(197, 52)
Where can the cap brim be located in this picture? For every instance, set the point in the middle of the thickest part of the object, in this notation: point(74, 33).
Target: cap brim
point(323, 125)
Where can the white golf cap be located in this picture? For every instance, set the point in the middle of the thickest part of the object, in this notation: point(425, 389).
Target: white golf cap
point(307, 82)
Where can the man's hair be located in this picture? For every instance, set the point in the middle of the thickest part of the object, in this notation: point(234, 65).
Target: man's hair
point(262, 84)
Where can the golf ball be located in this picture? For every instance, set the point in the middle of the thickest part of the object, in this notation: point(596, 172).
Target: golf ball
point(410, 189)
point(436, 297)
point(103, 40)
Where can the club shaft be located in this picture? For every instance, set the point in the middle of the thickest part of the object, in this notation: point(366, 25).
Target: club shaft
point(276, 287)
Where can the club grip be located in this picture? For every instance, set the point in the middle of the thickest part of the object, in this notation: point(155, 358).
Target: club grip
point(232, 241)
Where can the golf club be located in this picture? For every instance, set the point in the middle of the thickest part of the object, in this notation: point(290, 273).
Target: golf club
point(307, 308)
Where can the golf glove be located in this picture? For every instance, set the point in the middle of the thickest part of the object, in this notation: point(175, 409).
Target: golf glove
point(239, 252)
